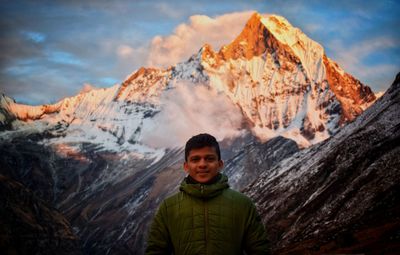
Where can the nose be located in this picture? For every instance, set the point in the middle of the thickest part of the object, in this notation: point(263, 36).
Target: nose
point(202, 163)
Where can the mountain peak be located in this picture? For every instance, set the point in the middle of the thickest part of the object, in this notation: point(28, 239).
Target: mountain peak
point(263, 32)
point(255, 19)
point(278, 63)
point(278, 22)
point(269, 21)
point(209, 56)
point(251, 41)
point(281, 80)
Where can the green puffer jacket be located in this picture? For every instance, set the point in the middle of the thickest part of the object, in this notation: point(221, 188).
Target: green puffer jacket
point(207, 219)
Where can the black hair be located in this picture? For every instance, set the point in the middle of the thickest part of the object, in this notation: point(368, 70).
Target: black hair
point(200, 141)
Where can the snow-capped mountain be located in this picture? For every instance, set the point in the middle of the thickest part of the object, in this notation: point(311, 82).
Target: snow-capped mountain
point(342, 195)
point(279, 79)
point(284, 82)
point(105, 158)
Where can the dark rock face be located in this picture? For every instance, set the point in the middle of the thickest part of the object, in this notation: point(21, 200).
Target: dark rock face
point(249, 158)
point(109, 213)
point(109, 198)
point(6, 118)
point(30, 226)
point(27, 162)
point(340, 196)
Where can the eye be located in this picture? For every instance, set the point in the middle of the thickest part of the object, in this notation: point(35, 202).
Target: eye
point(210, 159)
point(194, 159)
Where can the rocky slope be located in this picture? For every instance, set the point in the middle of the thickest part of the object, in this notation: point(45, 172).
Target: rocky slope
point(30, 226)
point(340, 196)
point(88, 155)
point(109, 198)
point(105, 196)
point(247, 158)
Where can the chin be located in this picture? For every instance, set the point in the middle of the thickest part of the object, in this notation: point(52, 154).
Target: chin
point(203, 179)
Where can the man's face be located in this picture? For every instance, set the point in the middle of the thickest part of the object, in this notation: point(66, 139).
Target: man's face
point(202, 164)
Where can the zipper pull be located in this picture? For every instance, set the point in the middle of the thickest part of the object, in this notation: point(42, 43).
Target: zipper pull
point(202, 189)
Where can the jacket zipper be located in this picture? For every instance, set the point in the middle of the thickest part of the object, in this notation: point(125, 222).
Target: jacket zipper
point(205, 220)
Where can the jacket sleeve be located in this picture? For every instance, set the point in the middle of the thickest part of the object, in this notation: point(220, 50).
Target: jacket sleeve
point(255, 239)
point(159, 241)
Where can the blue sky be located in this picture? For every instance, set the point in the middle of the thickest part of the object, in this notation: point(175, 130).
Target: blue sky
point(50, 49)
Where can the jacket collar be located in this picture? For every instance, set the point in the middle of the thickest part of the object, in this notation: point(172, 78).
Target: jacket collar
point(205, 191)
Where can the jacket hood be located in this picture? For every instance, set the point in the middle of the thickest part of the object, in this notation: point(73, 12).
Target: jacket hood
point(205, 191)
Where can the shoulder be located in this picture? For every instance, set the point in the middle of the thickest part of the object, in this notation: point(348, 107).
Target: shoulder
point(173, 199)
point(237, 197)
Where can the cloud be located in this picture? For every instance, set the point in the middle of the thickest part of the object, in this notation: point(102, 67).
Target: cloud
point(188, 38)
point(43, 86)
point(312, 27)
point(353, 60)
point(34, 36)
point(130, 58)
point(168, 10)
point(124, 51)
point(379, 77)
point(95, 39)
point(136, 55)
point(86, 88)
point(189, 109)
point(65, 58)
point(352, 56)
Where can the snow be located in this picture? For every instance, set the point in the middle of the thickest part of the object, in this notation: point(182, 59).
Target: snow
point(379, 94)
point(277, 97)
point(309, 51)
point(275, 100)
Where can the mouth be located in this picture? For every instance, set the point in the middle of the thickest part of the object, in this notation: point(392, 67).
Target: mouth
point(203, 172)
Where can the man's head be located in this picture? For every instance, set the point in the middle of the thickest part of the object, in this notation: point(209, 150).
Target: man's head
point(200, 141)
point(202, 157)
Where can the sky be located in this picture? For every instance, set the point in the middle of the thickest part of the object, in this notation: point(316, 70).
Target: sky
point(53, 49)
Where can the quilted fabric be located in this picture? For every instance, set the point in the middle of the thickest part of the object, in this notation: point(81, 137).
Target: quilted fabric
point(207, 219)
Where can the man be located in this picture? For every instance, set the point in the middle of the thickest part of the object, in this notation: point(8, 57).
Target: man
point(206, 216)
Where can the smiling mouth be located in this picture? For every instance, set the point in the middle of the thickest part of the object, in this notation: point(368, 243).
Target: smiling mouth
point(203, 172)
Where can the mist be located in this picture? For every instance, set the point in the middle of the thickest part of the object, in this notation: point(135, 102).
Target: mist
point(189, 109)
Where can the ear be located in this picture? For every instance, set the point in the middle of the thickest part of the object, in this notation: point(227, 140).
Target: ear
point(220, 164)
point(186, 167)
